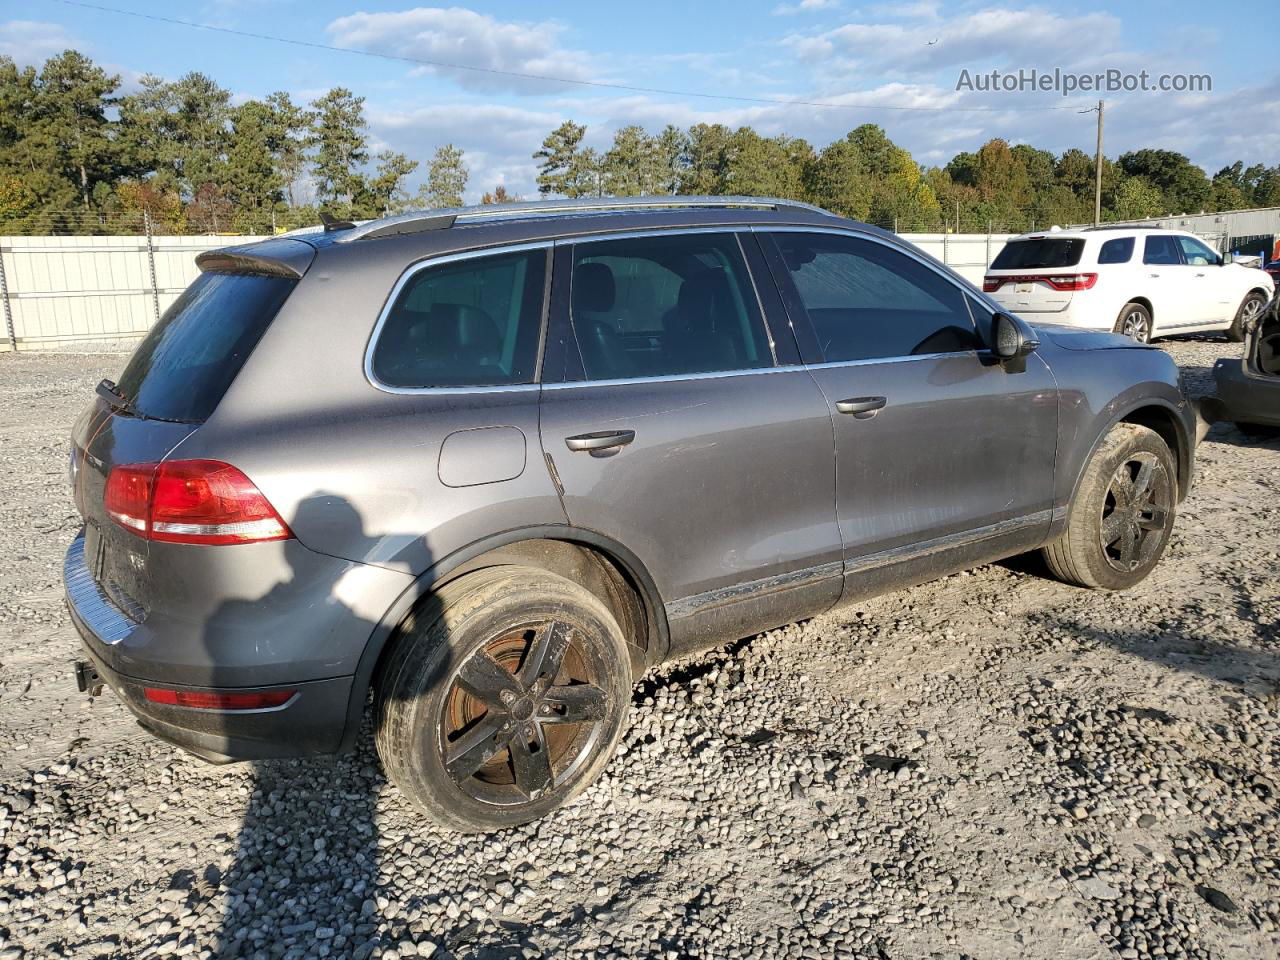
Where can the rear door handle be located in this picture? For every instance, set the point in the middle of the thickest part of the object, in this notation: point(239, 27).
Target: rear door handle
point(602, 442)
point(863, 408)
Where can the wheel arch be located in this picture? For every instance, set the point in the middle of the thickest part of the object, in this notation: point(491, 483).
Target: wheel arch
point(601, 564)
point(1156, 414)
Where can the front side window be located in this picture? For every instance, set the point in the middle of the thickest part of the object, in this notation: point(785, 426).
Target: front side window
point(1196, 253)
point(1119, 250)
point(665, 306)
point(867, 301)
point(471, 323)
point(1161, 250)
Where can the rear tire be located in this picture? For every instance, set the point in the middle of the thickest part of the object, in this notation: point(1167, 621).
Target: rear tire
point(1122, 514)
point(1134, 322)
point(503, 699)
point(1250, 307)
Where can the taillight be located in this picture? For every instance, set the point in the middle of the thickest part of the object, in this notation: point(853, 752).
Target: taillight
point(1059, 281)
point(191, 501)
point(201, 700)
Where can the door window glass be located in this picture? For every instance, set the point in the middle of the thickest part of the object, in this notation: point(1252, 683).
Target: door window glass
point(868, 301)
point(664, 306)
point(1196, 253)
point(1160, 249)
point(473, 323)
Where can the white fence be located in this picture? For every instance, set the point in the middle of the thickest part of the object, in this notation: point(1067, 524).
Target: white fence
point(103, 293)
point(93, 293)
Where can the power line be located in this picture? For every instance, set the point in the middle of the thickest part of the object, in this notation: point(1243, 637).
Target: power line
point(544, 78)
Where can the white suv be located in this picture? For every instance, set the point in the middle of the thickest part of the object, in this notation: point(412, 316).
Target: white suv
point(1143, 282)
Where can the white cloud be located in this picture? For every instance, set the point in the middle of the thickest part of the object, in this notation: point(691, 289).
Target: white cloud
point(804, 6)
point(455, 35)
point(32, 42)
point(995, 36)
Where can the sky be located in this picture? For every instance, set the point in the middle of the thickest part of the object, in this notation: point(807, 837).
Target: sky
point(850, 63)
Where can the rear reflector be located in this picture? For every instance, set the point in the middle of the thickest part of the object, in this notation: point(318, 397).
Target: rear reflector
point(191, 501)
point(1059, 281)
point(218, 701)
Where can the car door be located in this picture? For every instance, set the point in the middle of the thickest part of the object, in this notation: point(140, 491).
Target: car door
point(1167, 282)
point(1212, 298)
point(942, 453)
point(682, 430)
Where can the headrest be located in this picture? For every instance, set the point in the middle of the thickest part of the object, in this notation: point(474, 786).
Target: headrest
point(593, 287)
point(704, 298)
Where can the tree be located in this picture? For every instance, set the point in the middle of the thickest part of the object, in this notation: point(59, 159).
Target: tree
point(1135, 199)
point(72, 97)
point(209, 210)
point(292, 125)
point(633, 166)
point(837, 179)
point(673, 157)
point(499, 194)
point(1185, 187)
point(386, 193)
point(565, 167)
point(760, 166)
point(707, 160)
point(338, 134)
point(446, 179)
point(253, 183)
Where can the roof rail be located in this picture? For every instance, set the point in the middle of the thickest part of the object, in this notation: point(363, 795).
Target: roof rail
point(1128, 226)
point(425, 220)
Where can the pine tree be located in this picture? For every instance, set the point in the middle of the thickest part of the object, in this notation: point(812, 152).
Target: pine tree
point(566, 168)
point(446, 179)
point(339, 136)
point(72, 95)
point(633, 166)
point(386, 193)
point(253, 182)
point(292, 125)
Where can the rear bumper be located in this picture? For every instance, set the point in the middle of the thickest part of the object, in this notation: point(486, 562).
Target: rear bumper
point(311, 722)
point(1245, 398)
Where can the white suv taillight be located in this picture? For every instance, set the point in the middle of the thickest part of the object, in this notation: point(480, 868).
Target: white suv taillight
point(191, 501)
point(1059, 281)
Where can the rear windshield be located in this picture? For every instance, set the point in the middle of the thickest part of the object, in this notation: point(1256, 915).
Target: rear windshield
point(1037, 253)
point(186, 362)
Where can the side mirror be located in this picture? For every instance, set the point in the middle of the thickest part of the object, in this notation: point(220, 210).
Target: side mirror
point(1008, 342)
point(1228, 258)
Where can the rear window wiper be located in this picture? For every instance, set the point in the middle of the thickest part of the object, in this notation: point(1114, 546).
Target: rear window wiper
point(109, 392)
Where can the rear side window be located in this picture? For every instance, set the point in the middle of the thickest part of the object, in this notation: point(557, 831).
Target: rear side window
point(1039, 253)
point(867, 301)
point(470, 323)
point(665, 306)
point(1160, 250)
point(1119, 250)
point(185, 363)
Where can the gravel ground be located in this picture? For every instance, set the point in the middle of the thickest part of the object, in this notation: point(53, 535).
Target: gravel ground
point(993, 765)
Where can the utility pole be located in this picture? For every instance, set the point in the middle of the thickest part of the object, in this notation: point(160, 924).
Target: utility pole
point(1097, 173)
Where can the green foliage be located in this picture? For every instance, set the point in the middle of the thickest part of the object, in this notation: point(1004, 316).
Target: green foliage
point(75, 156)
point(565, 167)
point(339, 136)
point(446, 179)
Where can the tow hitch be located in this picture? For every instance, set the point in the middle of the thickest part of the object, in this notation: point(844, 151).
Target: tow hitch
point(88, 679)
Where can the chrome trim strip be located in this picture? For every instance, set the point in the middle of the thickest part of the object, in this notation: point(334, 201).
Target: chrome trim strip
point(87, 601)
point(672, 378)
point(702, 602)
point(410, 272)
point(916, 551)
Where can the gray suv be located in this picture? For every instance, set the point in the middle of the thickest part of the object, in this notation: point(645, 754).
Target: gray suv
point(476, 470)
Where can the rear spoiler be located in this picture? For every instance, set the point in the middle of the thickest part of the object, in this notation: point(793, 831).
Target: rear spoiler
point(278, 257)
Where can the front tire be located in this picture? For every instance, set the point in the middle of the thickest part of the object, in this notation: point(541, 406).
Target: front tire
point(1134, 322)
point(503, 699)
point(1120, 521)
point(1250, 308)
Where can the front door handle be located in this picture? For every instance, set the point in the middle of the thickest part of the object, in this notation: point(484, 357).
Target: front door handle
point(604, 443)
point(863, 408)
